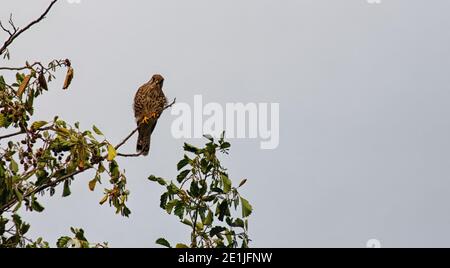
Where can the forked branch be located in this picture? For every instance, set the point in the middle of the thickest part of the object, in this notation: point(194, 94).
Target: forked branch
point(17, 31)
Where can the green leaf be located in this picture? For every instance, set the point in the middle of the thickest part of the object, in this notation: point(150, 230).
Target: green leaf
point(209, 198)
point(38, 124)
point(183, 174)
point(126, 211)
point(194, 190)
point(97, 131)
point(79, 234)
point(42, 177)
point(222, 210)
point(199, 226)
point(163, 242)
point(152, 178)
point(3, 223)
point(180, 245)
point(100, 168)
point(3, 120)
point(170, 205)
point(63, 241)
point(2, 83)
point(24, 229)
point(114, 170)
point(246, 207)
point(209, 218)
point(163, 200)
point(242, 182)
point(183, 162)
point(161, 181)
point(111, 152)
point(18, 195)
point(216, 230)
point(238, 223)
point(191, 148)
point(229, 238)
point(36, 206)
point(226, 183)
point(13, 166)
point(225, 145)
point(19, 77)
point(17, 219)
point(66, 190)
point(187, 222)
point(179, 210)
point(204, 188)
point(172, 189)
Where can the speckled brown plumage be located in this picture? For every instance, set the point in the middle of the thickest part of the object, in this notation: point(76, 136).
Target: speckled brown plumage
point(149, 103)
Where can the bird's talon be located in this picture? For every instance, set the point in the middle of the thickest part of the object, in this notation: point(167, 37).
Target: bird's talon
point(145, 120)
point(153, 115)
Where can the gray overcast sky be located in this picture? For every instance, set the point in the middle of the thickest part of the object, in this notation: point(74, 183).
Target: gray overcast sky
point(364, 102)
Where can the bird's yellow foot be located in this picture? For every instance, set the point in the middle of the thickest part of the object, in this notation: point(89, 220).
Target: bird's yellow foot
point(145, 120)
point(153, 115)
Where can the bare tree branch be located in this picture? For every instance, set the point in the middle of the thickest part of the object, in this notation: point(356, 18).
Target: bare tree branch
point(12, 134)
point(170, 104)
point(126, 139)
point(18, 31)
point(4, 29)
point(130, 155)
point(22, 68)
point(11, 22)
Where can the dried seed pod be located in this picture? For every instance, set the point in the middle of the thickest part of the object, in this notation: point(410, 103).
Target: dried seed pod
point(23, 85)
point(69, 77)
point(42, 81)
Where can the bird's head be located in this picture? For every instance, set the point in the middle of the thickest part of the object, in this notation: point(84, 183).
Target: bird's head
point(157, 79)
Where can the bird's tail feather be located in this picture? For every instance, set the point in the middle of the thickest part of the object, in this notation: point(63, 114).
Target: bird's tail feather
point(143, 142)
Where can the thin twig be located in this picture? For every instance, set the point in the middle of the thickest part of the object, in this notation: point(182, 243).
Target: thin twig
point(12, 134)
point(18, 32)
point(130, 155)
point(24, 67)
point(11, 22)
point(23, 131)
point(4, 29)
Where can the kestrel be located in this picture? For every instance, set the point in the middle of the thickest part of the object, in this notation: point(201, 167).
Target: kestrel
point(149, 103)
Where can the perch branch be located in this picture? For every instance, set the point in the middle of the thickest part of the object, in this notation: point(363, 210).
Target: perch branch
point(130, 155)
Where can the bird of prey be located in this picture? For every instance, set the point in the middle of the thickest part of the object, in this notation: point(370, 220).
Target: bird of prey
point(149, 103)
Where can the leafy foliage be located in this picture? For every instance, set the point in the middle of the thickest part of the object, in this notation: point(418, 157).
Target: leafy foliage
point(203, 198)
point(38, 157)
point(77, 241)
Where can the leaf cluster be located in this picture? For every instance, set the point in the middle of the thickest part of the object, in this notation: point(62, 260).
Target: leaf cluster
point(204, 198)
